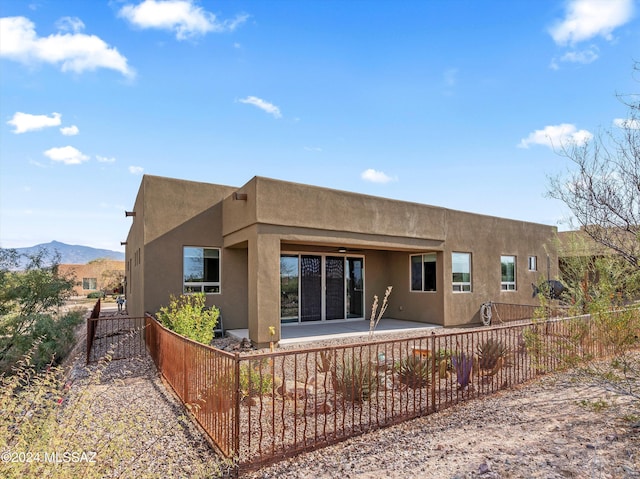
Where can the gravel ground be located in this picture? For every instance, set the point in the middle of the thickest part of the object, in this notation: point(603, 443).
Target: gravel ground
point(562, 425)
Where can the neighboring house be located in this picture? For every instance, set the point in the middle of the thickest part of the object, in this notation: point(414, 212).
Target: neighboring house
point(98, 275)
point(273, 252)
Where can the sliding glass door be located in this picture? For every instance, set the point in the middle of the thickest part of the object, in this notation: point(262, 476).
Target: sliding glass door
point(310, 288)
point(317, 287)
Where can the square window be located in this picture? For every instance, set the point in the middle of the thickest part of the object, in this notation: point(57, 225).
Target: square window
point(201, 270)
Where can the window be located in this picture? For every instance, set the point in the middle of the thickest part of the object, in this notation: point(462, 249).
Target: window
point(461, 269)
point(89, 283)
point(533, 263)
point(201, 270)
point(423, 272)
point(508, 265)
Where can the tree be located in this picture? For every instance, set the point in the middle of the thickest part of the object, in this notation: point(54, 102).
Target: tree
point(28, 302)
point(603, 192)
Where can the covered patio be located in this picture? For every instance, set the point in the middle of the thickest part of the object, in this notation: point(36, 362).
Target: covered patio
point(321, 330)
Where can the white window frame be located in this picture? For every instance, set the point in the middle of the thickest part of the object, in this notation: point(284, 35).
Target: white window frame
point(508, 285)
point(533, 263)
point(207, 287)
point(461, 286)
point(422, 278)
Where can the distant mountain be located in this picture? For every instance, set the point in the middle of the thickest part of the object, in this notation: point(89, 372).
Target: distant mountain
point(73, 254)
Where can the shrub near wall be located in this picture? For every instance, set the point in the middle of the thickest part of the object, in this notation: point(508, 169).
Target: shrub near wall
point(188, 316)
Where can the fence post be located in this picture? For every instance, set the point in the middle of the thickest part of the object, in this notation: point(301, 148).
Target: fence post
point(236, 422)
point(434, 374)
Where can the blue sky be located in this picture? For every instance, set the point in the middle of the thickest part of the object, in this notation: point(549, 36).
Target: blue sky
point(451, 103)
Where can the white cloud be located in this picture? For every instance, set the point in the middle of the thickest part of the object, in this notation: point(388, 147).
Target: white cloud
point(586, 19)
point(263, 105)
point(556, 136)
point(629, 123)
point(75, 52)
point(313, 148)
point(136, 170)
point(24, 122)
point(183, 17)
point(376, 176)
point(70, 24)
point(67, 155)
point(586, 56)
point(104, 159)
point(69, 130)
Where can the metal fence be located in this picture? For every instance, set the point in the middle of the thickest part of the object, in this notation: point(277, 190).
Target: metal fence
point(262, 407)
point(116, 337)
point(506, 312)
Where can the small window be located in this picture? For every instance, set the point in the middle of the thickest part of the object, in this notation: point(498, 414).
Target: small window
point(508, 266)
point(461, 269)
point(423, 272)
point(201, 270)
point(89, 283)
point(533, 263)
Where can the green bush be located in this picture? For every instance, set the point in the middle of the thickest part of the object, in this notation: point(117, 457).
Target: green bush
point(96, 295)
point(188, 315)
point(55, 337)
point(254, 381)
point(28, 301)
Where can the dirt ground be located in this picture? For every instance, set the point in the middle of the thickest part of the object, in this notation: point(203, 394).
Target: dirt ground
point(566, 425)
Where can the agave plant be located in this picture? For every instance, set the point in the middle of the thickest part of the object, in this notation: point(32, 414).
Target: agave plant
point(491, 355)
point(463, 365)
point(414, 372)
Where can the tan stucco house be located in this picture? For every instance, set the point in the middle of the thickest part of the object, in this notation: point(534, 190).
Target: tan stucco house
point(104, 275)
point(273, 252)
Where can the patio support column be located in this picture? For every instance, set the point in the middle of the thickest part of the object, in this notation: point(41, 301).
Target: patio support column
point(264, 289)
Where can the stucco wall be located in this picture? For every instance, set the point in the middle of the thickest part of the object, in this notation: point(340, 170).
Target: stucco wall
point(102, 270)
point(280, 216)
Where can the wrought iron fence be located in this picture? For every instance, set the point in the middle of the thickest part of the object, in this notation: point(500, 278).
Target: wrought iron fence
point(261, 407)
point(117, 337)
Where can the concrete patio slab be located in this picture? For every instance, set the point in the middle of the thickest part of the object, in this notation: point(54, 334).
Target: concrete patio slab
point(318, 331)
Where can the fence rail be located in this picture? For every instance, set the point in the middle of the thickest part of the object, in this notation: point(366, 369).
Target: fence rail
point(262, 407)
point(506, 312)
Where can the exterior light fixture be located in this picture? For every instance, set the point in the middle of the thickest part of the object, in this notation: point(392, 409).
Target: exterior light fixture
point(342, 250)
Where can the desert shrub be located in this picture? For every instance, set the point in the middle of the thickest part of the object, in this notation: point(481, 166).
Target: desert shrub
point(491, 354)
point(355, 380)
point(414, 372)
point(54, 335)
point(189, 316)
point(254, 381)
point(96, 295)
point(29, 299)
point(43, 413)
